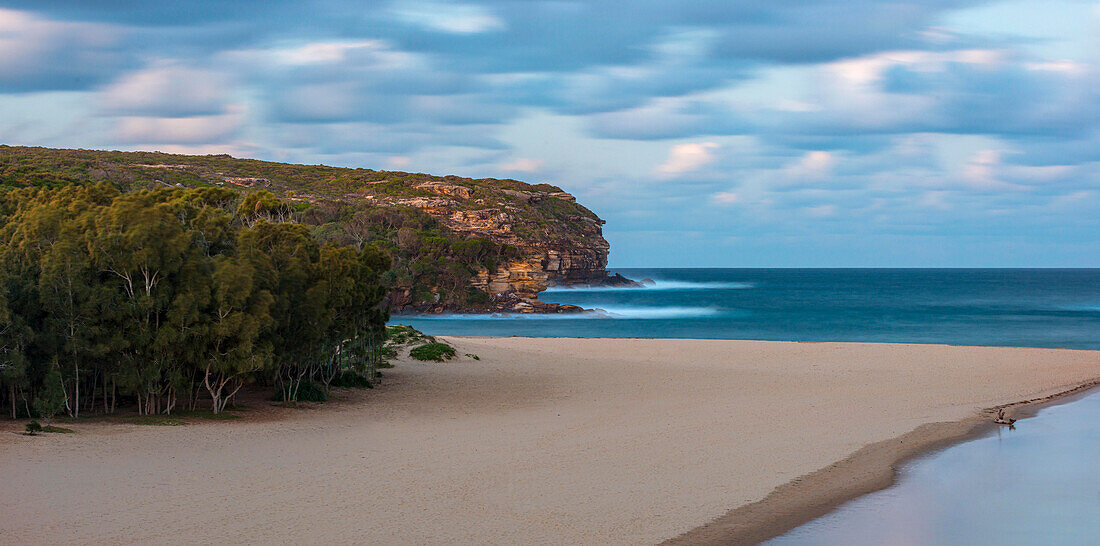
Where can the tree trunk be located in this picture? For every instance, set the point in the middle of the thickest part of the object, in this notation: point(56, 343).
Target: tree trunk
point(76, 389)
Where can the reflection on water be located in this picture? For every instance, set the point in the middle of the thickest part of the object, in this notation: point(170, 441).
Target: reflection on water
point(1038, 484)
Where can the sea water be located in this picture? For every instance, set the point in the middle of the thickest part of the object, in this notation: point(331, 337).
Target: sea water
point(1037, 484)
point(1004, 307)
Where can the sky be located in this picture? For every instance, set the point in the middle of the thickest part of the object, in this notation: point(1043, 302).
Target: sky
point(721, 133)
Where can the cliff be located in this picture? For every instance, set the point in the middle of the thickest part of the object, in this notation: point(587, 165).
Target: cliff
point(459, 244)
point(559, 241)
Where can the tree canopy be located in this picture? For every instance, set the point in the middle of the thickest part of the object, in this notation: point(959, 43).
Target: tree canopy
point(170, 297)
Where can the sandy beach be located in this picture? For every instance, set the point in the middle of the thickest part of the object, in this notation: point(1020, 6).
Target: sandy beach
point(541, 441)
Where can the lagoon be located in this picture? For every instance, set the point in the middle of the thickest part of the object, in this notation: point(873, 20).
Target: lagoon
point(1037, 484)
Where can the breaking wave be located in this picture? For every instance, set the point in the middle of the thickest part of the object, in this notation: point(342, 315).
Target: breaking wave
point(658, 285)
point(603, 312)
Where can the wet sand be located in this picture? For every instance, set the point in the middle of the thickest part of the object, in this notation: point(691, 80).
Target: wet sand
point(545, 441)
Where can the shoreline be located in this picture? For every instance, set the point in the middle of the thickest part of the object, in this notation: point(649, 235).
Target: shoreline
point(872, 468)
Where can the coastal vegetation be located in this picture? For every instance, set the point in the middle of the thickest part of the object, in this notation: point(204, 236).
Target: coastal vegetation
point(170, 298)
point(440, 233)
point(168, 282)
point(436, 352)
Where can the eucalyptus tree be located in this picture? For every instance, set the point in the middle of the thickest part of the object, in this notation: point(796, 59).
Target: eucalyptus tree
point(46, 250)
point(285, 261)
point(142, 245)
point(240, 313)
point(162, 295)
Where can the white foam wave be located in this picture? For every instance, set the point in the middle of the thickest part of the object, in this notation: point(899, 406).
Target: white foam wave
point(658, 285)
point(604, 312)
point(638, 312)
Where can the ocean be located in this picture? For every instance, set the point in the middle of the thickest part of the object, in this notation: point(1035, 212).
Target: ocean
point(1057, 308)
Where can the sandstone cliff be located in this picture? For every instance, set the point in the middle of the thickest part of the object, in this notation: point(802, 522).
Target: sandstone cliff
point(560, 242)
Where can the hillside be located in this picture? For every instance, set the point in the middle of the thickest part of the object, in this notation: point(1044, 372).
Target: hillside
point(458, 244)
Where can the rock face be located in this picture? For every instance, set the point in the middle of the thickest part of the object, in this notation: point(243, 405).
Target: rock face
point(559, 241)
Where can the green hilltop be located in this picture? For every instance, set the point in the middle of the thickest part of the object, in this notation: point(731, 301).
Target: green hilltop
point(448, 236)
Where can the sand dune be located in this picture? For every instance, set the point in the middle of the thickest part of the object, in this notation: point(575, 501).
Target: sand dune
point(542, 441)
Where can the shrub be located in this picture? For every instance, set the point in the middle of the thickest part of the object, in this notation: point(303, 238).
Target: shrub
point(34, 427)
point(349, 378)
point(437, 352)
point(308, 391)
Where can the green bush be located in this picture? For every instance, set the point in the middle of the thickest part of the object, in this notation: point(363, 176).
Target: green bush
point(436, 352)
point(399, 334)
point(308, 391)
point(34, 427)
point(349, 378)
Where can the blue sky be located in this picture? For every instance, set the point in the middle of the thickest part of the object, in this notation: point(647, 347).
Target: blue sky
point(770, 133)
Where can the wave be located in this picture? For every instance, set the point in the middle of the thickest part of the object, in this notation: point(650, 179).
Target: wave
point(639, 312)
point(658, 285)
point(604, 312)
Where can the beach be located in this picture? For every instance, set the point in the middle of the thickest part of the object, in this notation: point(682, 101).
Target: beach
point(539, 441)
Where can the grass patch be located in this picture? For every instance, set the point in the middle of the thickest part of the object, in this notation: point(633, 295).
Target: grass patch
point(205, 414)
point(58, 430)
point(473, 356)
point(435, 352)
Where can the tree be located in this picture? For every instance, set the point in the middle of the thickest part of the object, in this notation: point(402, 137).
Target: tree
point(51, 397)
point(239, 313)
point(263, 206)
point(165, 295)
point(139, 240)
point(284, 257)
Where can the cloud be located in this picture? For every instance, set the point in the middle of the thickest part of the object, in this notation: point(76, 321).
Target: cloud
point(685, 158)
point(338, 138)
point(185, 130)
point(979, 170)
point(523, 164)
point(168, 90)
point(822, 211)
point(399, 162)
point(726, 198)
point(38, 54)
point(365, 81)
point(654, 48)
point(326, 52)
point(448, 17)
point(814, 166)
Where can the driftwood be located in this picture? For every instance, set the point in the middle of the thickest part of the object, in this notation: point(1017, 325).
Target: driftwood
point(1002, 420)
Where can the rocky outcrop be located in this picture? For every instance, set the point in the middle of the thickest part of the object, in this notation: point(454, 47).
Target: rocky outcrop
point(559, 241)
